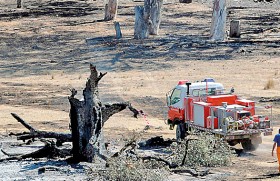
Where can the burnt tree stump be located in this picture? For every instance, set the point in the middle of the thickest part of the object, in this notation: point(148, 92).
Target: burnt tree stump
point(234, 31)
point(87, 118)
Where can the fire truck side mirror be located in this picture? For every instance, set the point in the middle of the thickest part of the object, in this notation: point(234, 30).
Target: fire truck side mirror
point(168, 102)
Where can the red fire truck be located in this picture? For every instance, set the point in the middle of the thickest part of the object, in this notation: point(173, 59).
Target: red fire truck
point(205, 106)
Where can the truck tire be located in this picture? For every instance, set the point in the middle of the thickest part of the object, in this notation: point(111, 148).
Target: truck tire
point(248, 146)
point(180, 131)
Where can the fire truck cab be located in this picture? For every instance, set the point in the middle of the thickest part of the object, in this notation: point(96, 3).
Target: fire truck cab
point(197, 90)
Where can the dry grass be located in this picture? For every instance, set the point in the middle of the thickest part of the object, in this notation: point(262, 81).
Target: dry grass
point(269, 84)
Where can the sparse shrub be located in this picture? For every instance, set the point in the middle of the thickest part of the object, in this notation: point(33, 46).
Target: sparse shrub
point(269, 84)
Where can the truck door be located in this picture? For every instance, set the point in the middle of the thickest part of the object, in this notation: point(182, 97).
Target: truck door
point(175, 105)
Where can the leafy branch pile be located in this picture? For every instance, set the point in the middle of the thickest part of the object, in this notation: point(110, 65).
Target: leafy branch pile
point(202, 150)
point(130, 169)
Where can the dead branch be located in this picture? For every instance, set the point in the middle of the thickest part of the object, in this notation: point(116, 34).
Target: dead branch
point(49, 150)
point(171, 165)
point(131, 143)
point(132, 109)
point(186, 152)
point(101, 75)
point(110, 109)
point(34, 133)
point(193, 172)
point(7, 154)
point(25, 124)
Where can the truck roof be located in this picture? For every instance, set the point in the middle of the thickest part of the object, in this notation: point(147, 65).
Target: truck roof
point(203, 85)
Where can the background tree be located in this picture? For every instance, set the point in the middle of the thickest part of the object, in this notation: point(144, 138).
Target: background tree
point(147, 19)
point(111, 10)
point(218, 20)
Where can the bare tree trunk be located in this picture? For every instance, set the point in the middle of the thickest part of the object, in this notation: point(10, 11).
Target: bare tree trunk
point(234, 30)
point(87, 118)
point(218, 20)
point(140, 27)
point(111, 10)
point(19, 3)
point(152, 15)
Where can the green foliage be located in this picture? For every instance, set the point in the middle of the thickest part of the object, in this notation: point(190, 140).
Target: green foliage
point(128, 169)
point(202, 150)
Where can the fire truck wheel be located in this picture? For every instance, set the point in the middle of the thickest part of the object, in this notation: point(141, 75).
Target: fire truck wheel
point(248, 146)
point(180, 132)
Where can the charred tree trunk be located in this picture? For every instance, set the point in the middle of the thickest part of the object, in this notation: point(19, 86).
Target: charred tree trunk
point(87, 119)
point(111, 10)
point(19, 3)
point(147, 19)
point(140, 27)
point(152, 15)
point(218, 20)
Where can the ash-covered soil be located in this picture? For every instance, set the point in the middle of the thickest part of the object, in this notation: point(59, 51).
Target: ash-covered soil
point(46, 48)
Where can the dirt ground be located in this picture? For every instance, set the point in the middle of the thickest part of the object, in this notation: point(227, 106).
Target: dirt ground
point(46, 48)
